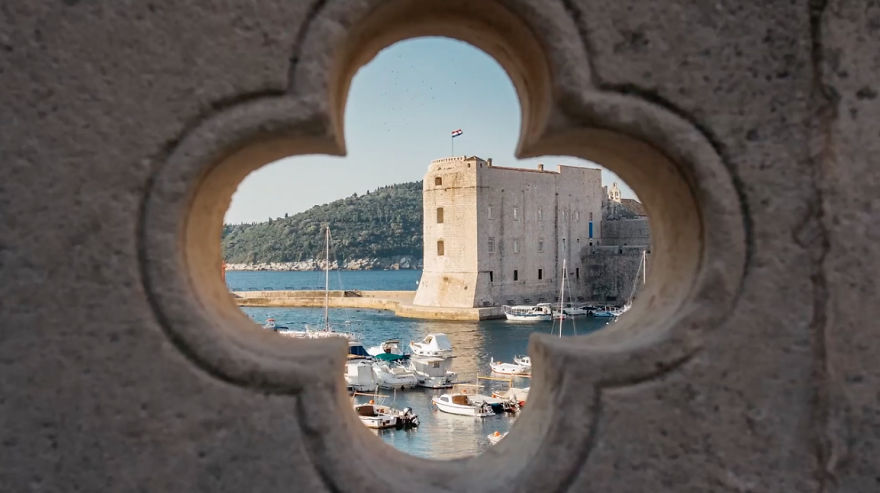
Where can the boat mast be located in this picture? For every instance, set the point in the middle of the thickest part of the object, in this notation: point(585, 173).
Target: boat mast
point(562, 298)
point(327, 279)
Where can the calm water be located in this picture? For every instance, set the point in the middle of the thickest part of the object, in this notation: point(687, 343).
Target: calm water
point(440, 435)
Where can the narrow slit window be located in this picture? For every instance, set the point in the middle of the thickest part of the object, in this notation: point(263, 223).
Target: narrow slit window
point(439, 215)
point(540, 214)
point(516, 213)
point(438, 181)
point(516, 275)
point(491, 276)
point(540, 274)
point(489, 212)
point(577, 273)
point(540, 245)
point(515, 246)
point(441, 249)
point(491, 244)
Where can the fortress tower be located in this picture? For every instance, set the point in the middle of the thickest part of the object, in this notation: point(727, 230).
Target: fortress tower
point(497, 235)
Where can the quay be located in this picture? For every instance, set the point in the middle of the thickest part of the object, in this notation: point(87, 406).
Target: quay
point(400, 302)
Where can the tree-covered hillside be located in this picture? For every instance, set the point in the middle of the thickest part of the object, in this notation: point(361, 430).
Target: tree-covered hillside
point(384, 223)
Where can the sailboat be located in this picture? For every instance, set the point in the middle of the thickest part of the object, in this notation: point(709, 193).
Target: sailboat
point(560, 314)
point(326, 330)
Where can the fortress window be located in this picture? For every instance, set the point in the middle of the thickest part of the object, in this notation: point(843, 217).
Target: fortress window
point(577, 215)
point(439, 215)
point(540, 274)
point(491, 276)
point(489, 212)
point(591, 216)
point(516, 275)
point(563, 215)
point(577, 273)
point(541, 245)
point(438, 181)
point(515, 246)
point(516, 213)
point(440, 248)
point(491, 244)
point(540, 214)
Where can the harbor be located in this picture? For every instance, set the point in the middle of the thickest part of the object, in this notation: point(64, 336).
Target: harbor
point(476, 343)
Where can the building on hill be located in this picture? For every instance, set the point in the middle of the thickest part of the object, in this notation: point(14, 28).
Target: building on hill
point(497, 235)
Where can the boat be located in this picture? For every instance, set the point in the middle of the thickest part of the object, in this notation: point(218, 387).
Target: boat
point(391, 346)
point(496, 437)
point(436, 345)
point(508, 368)
point(326, 330)
point(463, 404)
point(380, 417)
point(602, 312)
point(359, 375)
point(528, 313)
point(571, 310)
point(432, 372)
point(394, 376)
point(519, 395)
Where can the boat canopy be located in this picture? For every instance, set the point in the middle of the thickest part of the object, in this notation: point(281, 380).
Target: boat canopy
point(357, 350)
point(436, 342)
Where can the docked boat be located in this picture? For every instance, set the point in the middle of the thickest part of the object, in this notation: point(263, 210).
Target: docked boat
point(379, 417)
point(528, 313)
point(394, 376)
point(359, 375)
point(603, 312)
point(571, 310)
point(436, 345)
point(518, 395)
point(508, 368)
point(432, 372)
point(463, 404)
point(496, 437)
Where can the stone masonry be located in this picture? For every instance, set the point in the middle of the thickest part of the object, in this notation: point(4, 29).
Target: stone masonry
point(495, 235)
point(748, 130)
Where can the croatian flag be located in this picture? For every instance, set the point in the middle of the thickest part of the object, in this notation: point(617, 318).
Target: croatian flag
point(456, 133)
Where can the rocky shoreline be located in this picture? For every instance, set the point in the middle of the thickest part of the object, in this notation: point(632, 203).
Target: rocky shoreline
point(378, 263)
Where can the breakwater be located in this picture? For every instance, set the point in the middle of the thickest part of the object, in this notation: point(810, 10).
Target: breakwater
point(399, 302)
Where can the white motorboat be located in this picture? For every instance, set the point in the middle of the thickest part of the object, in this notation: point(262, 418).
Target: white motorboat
point(513, 394)
point(571, 310)
point(375, 417)
point(394, 376)
point(508, 368)
point(432, 372)
point(463, 404)
point(523, 360)
point(436, 345)
point(496, 437)
point(379, 417)
point(359, 375)
point(528, 313)
point(391, 346)
point(603, 312)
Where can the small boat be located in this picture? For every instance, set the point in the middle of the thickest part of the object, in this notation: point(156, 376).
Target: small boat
point(463, 404)
point(528, 313)
point(394, 376)
point(359, 375)
point(496, 437)
point(391, 346)
point(436, 345)
point(603, 312)
point(571, 310)
point(508, 368)
point(379, 417)
point(616, 312)
point(432, 372)
point(513, 394)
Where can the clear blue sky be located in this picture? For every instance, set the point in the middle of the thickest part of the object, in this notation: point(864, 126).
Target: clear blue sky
point(401, 109)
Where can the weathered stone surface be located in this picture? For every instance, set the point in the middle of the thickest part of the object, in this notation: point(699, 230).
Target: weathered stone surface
point(742, 374)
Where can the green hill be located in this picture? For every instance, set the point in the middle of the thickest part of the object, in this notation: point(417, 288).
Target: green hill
point(386, 222)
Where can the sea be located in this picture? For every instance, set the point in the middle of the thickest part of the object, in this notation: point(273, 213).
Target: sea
point(439, 435)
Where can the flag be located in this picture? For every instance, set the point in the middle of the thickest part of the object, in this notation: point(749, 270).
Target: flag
point(456, 133)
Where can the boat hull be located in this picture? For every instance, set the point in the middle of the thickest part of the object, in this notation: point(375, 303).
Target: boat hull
point(462, 410)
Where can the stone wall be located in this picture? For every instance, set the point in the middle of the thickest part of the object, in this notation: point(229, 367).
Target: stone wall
point(623, 232)
point(611, 275)
point(748, 129)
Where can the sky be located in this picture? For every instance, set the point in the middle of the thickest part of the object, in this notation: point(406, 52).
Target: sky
point(401, 110)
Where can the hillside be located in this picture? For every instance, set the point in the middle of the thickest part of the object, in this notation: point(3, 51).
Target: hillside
point(383, 223)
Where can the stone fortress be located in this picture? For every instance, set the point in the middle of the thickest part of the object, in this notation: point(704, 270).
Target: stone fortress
point(496, 235)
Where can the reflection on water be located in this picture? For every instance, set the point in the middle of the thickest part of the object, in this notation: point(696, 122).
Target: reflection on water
point(440, 435)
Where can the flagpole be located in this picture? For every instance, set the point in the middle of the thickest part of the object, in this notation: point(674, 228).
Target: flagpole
point(452, 146)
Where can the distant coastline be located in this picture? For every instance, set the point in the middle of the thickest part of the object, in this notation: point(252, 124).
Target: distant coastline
point(376, 263)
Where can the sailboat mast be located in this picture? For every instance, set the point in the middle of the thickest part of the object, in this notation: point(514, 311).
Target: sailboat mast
point(327, 279)
point(562, 298)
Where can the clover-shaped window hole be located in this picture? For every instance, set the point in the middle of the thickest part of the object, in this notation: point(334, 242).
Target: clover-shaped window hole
point(431, 215)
